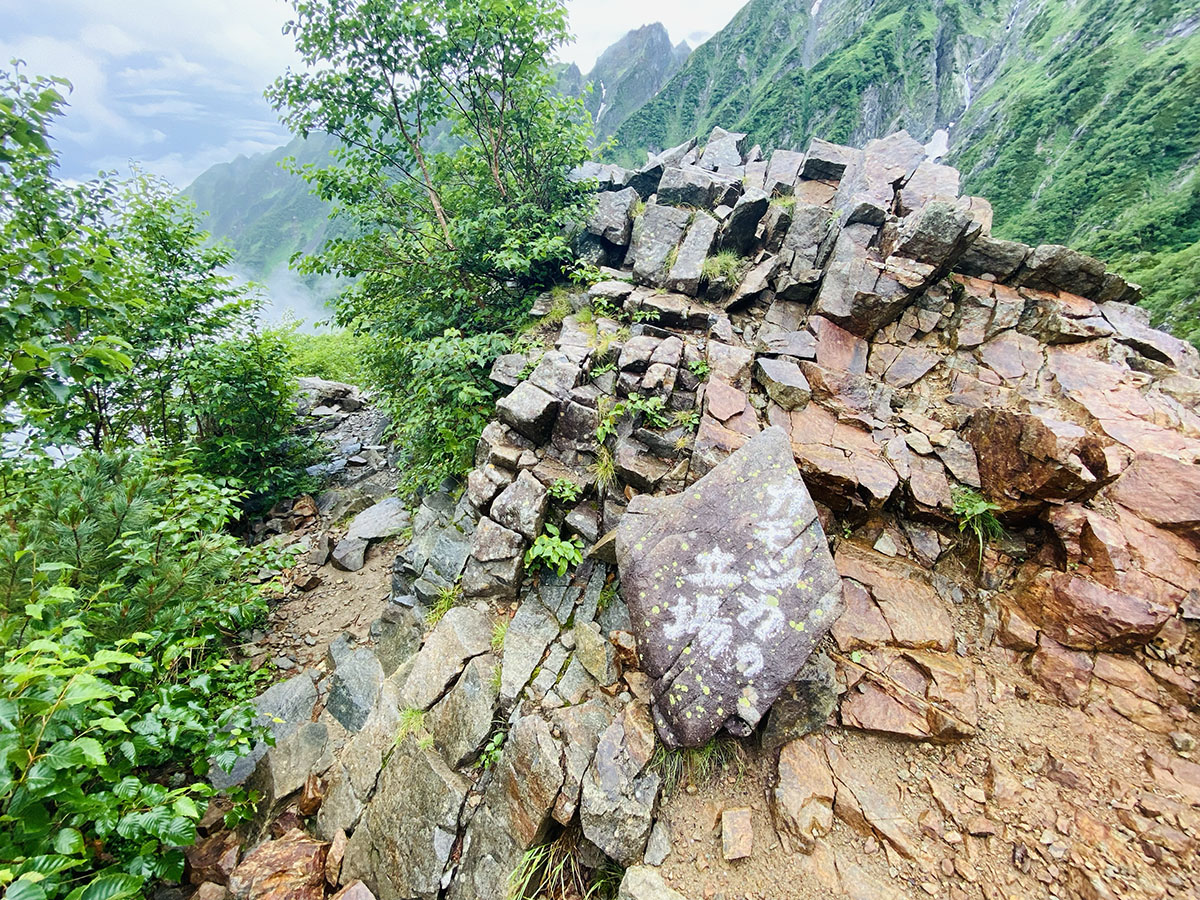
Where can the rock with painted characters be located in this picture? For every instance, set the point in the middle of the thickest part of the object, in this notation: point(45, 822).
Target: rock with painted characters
point(730, 585)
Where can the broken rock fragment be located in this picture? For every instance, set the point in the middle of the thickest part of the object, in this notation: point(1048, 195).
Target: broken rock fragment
point(730, 585)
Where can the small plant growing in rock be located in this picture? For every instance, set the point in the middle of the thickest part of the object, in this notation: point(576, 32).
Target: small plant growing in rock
point(608, 594)
point(244, 805)
point(494, 750)
point(565, 490)
point(554, 552)
point(686, 418)
point(609, 365)
point(555, 869)
point(646, 315)
point(412, 721)
point(977, 515)
point(699, 368)
point(603, 307)
point(725, 265)
point(447, 599)
point(604, 468)
point(697, 765)
point(582, 274)
point(499, 631)
point(639, 207)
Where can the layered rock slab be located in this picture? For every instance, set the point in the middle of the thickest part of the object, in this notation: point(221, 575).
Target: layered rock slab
point(729, 585)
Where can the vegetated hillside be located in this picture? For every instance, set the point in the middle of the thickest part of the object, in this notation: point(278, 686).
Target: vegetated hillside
point(266, 212)
point(1078, 120)
point(629, 73)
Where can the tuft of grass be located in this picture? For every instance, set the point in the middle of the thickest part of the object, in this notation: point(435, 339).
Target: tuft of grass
point(976, 515)
point(499, 631)
point(672, 258)
point(560, 307)
point(786, 201)
point(699, 766)
point(447, 599)
point(725, 265)
point(412, 721)
point(604, 468)
point(686, 418)
point(639, 207)
point(554, 870)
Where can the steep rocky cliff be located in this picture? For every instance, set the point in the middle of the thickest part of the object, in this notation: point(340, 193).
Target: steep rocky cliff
point(905, 514)
point(1077, 120)
point(629, 73)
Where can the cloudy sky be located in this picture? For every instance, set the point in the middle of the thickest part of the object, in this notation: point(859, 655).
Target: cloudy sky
point(177, 84)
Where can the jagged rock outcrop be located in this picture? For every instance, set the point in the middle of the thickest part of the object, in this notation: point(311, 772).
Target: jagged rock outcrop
point(754, 458)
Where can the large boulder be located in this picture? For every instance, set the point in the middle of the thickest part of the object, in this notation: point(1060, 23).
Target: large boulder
point(619, 791)
point(729, 585)
point(741, 226)
point(612, 219)
point(688, 269)
point(656, 234)
point(695, 187)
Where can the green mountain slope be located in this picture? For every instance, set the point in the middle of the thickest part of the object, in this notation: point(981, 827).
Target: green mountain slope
point(629, 73)
point(1078, 119)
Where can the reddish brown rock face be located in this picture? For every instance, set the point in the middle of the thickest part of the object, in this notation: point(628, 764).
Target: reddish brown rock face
point(1065, 673)
point(1081, 613)
point(1163, 491)
point(289, 868)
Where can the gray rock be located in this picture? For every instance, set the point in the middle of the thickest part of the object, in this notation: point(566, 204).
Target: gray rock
point(783, 171)
point(658, 848)
point(493, 541)
point(318, 555)
point(584, 520)
point(783, 381)
point(463, 633)
point(656, 234)
point(529, 410)
point(827, 162)
point(694, 187)
point(619, 794)
point(350, 553)
point(1052, 267)
point(738, 233)
point(462, 720)
point(354, 688)
point(939, 234)
point(521, 507)
point(854, 293)
point(514, 813)
point(484, 483)
point(611, 290)
point(804, 706)
point(1150, 342)
point(401, 629)
point(724, 150)
point(595, 653)
point(496, 580)
point(507, 369)
point(636, 466)
point(283, 708)
point(402, 845)
point(283, 770)
point(685, 275)
point(556, 375)
point(993, 257)
point(611, 219)
point(750, 593)
point(580, 727)
point(529, 634)
point(868, 186)
point(645, 883)
point(385, 519)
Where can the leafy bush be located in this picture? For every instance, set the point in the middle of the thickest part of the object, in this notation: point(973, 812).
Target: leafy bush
point(554, 552)
point(119, 593)
point(977, 515)
point(242, 400)
point(333, 355)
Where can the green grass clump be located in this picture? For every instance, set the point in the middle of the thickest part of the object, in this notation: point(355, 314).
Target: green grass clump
point(447, 599)
point(499, 632)
point(977, 515)
point(554, 870)
point(699, 766)
point(725, 265)
point(412, 722)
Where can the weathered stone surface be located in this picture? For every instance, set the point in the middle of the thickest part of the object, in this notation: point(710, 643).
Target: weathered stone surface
point(284, 708)
point(868, 185)
point(851, 293)
point(521, 507)
point(462, 720)
point(529, 634)
point(915, 616)
point(213, 858)
point(939, 234)
point(754, 590)
point(645, 883)
point(291, 867)
point(804, 706)
point(1052, 267)
point(514, 813)
point(581, 727)
point(385, 519)
point(783, 381)
point(912, 693)
point(864, 807)
point(1163, 491)
point(354, 688)
point(463, 633)
point(724, 150)
point(931, 181)
point(1080, 613)
point(1150, 342)
point(686, 273)
point(619, 794)
point(694, 187)
point(802, 799)
point(738, 232)
point(783, 171)
point(350, 553)
point(992, 257)
point(737, 834)
point(611, 219)
point(637, 466)
point(1065, 673)
point(824, 161)
point(402, 845)
point(656, 234)
point(529, 410)
point(557, 374)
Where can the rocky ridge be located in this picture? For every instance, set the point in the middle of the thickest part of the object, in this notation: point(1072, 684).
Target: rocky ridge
point(808, 433)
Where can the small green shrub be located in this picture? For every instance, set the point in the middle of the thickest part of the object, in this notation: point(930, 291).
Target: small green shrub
point(333, 355)
point(725, 265)
point(686, 418)
point(605, 308)
point(699, 368)
point(652, 410)
point(554, 552)
point(646, 315)
point(494, 750)
point(977, 515)
point(565, 490)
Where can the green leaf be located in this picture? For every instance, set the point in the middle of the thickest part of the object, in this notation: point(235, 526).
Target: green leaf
point(23, 889)
point(69, 842)
point(112, 886)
